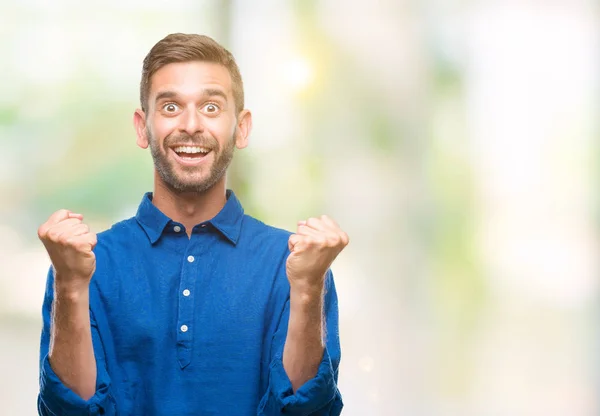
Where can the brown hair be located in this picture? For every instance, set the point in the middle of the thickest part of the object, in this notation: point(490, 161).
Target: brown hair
point(180, 47)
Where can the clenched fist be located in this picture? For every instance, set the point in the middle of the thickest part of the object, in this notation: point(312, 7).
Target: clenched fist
point(313, 248)
point(69, 243)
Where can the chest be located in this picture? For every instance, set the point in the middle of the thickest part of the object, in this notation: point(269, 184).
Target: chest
point(190, 302)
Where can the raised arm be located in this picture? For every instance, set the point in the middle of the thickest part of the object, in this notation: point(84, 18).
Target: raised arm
point(69, 243)
point(68, 367)
point(313, 248)
point(306, 353)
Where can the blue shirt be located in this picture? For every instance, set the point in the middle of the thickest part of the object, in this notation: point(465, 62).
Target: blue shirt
point(192, 326)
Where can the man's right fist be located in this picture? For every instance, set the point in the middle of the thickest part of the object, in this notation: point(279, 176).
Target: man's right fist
point(69, 243)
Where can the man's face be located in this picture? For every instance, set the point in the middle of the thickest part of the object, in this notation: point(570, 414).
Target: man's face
point(191, 125)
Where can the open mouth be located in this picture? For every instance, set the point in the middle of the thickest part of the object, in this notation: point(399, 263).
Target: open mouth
point(190, 154)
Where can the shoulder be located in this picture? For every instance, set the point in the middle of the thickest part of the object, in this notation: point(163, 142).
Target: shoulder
point(119, 235)
point(256, 229)
point(261, 238)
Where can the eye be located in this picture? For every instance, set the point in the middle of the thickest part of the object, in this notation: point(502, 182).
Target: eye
point(210, 108)
point(170, 107)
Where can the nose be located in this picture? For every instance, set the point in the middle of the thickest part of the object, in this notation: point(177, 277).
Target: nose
point(191, 122)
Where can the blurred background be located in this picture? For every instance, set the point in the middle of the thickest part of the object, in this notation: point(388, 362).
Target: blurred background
point(455, 141)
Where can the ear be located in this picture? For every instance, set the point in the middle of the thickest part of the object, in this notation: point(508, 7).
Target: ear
point(139, 122)
point(244, 126)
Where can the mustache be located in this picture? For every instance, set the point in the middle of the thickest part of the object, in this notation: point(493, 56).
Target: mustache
point(192, 140)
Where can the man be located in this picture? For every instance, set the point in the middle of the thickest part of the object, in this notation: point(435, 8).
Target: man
point(190, 307)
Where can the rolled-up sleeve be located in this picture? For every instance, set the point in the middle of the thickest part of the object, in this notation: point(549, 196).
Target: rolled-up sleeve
point(56, 399)
point(318, 396)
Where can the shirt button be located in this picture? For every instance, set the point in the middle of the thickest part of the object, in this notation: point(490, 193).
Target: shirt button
point(191, 259)
point(203, 225)
point(184, 328)
point(186, 292)
point(177, 228)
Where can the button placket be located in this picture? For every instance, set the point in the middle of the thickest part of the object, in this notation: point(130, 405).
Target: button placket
point(185, 319)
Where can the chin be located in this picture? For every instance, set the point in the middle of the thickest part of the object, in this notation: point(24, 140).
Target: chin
point(195, 186)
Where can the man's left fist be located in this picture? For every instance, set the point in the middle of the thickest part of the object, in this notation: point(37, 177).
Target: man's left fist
point(313, 248)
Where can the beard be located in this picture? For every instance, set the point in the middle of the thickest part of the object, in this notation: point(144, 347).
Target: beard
point(191, 178)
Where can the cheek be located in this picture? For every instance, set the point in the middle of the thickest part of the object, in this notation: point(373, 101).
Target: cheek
point(161, 128)
point(222, 130)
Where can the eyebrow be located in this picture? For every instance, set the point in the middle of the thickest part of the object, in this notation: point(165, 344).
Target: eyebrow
point(208, 92)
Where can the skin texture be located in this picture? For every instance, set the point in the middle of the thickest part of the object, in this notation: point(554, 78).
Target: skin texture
point(189, 103)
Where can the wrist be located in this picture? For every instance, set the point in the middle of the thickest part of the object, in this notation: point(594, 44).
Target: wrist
point(305, 296)
point(306, 283)
point(70, 291)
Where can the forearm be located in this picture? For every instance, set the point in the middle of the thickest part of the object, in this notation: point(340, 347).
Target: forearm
point(303, 380)
point(304, 344)
point(71, 352)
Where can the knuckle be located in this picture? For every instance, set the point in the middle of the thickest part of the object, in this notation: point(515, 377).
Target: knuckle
point(333, 240)
point(81, 245)
point(312, 221)
point(320, 240)
point(52, 235)
point(61, 212)
point(42, 230)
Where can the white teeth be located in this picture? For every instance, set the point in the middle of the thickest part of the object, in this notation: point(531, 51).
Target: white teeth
point(190, 149)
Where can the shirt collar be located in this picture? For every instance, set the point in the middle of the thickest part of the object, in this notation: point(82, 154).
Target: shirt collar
point(151, 219)
point(228, 221)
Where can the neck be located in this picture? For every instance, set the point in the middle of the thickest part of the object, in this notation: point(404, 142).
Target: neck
point(189, 208)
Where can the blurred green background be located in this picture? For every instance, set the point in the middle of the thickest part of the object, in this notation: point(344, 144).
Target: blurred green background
point(455, 142)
